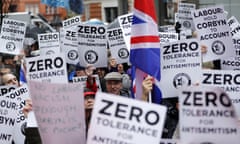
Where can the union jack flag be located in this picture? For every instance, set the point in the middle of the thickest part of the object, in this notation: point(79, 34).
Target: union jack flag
point(145, 42)
point(22, 75)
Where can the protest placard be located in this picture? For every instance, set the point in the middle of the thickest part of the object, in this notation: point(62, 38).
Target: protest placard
point(125, 22)
point(181, 65)
point(207, 116)
point(8, 114)
point(232, 63)
point(59, 110)
point(234, 26)
point(12, 36)
point(50, 68)
point(82, 80)
point(184, 15)
point(125, 121)
point(49, 43)
point(69, 45)
point(226, 79)
point(213, 32)
point(166, 37)
point(6, 89)
point(17, 98)
point(117, 45)
point(71, 22)
point(169, 141)
point(92, 45)
point(167, 28)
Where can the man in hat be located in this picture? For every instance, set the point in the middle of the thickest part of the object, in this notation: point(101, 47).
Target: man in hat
point(114, 84)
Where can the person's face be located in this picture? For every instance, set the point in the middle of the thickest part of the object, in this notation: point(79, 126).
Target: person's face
point(101, 73)
point(89, 102)
point(8, 61)
point(120, 68)
point(113, 62)
point(10, 79)
point(80, 73)
point(114, 86)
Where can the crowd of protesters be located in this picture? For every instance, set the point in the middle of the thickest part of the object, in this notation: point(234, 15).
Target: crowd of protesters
point(114, 79)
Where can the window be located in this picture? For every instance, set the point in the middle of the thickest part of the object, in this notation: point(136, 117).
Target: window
point(111, 13)
point(12, 8)
point(51, 10)
point(33, 8)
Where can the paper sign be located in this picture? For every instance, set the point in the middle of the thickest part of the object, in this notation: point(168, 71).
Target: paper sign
point(47, 68)
point(169, 141)
point(92, 45)
point(71, 22)
point(232, 63)
point(181, 65)
point(70, 46)
point(166, 37)
point(83, 79)
point(234, 26)
point(8, 114)
point(184, 15)
point(14, 101)
point(49, 43)
point(12, 36)
point(125, 121)
point(167, 28)
point(226, 79)
point(59, 110)
point(125, 22)
point(117, 45)
point(213, 32)
point(207, 116)
point(6, 89)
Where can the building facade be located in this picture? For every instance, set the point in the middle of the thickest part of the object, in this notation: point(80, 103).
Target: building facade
point(35, 7)
point(108, 10)
point(104, 10)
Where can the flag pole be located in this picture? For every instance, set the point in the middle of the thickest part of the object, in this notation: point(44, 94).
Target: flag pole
point(150, 97)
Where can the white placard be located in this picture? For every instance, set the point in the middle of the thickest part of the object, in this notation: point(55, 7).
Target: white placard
point(180, 66)
point(213, 32)
point(50, 68)
point(117, 45)
point(207, 116)
point(167, 28)
point(228, 80)
point(18, 95)
point(83, 79)
point(166, 37)
point(234, 26)
point(125, 121)
point(49, 43)
point(125, 22)
point(12, 36)
point(71, 22)
point(70, 46)
point(92, 45)
point(169, 141)
point(8, 119)
point(6, 89)
point(184, 15)
point(59, 110)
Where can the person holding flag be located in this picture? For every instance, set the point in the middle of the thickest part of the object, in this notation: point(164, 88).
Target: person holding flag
point(145, 60)
point(145, 47)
